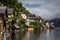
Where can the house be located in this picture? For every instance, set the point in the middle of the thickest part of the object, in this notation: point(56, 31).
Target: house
point(23, 16)
point(10, 13)
point(38, 19)
point(48, 24)
point(33, 18)
point(4, 14)
point(2, 17)
point(30, 18)
point(9, 17)
point(52, 25)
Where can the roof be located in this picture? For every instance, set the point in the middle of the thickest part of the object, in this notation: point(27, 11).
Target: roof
point(10, 10)
point(2, 9)
point(30, 26)
point(30, 15)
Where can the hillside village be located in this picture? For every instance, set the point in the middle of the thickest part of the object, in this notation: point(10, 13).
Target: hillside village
point(28, 17)
point(11, 19)
point(35, 18)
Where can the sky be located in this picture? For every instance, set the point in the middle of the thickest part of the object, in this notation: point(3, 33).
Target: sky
point(47, 9)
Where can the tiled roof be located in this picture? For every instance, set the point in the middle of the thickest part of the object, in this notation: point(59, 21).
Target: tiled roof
point(2, 9)
point(10, 10)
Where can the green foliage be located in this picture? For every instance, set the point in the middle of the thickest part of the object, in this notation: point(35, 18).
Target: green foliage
point(17, 8)
point(14, 4)
point(0, 3)
point(21, 23)
point(36, 25)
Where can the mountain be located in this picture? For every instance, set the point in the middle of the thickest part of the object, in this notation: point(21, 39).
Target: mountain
point(56, 22)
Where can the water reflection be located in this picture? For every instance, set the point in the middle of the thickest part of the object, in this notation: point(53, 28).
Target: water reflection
point(37, 35)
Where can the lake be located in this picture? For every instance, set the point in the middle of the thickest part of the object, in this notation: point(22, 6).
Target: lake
point(37, 35)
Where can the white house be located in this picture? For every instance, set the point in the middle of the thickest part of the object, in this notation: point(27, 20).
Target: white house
point(48, 24)
point(30, 18)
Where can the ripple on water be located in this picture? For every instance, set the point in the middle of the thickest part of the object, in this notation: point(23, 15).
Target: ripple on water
point(38, 35)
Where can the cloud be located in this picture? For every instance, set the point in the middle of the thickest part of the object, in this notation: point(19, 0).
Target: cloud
point(47, 9)
point(32, 5)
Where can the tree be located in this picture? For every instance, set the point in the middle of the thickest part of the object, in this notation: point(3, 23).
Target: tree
point(17, 8)
point(36, 25)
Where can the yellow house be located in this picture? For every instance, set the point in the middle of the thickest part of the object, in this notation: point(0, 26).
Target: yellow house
point(23, 16)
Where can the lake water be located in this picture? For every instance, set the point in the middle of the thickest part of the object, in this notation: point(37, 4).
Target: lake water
point(38, 35)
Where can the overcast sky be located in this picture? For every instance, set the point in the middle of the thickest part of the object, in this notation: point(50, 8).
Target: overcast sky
point(47, 9)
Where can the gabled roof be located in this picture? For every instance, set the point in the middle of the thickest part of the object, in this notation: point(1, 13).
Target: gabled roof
point(2, 9)
point(30, 15)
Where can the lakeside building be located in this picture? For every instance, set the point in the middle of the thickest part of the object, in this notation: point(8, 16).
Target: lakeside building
point(31, 18)
point(10, 15)
point(2, 18)
point(4, 14)
point(34, 18)
point(49, 25)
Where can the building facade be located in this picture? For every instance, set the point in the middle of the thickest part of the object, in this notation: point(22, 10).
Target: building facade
point(4, 14)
